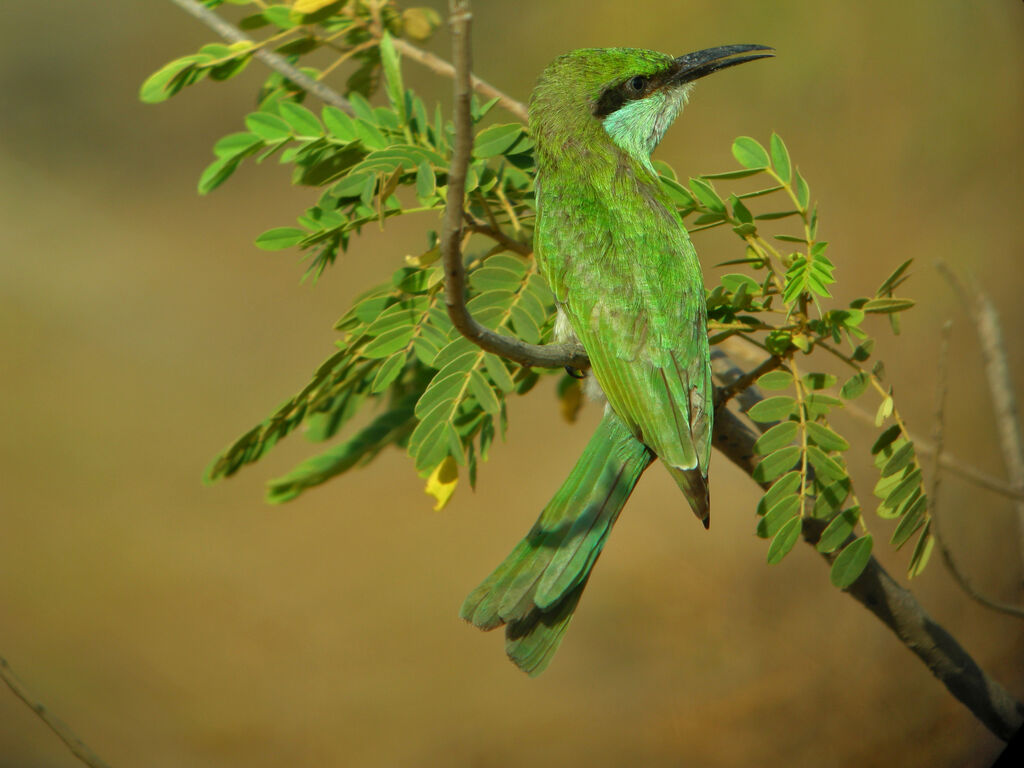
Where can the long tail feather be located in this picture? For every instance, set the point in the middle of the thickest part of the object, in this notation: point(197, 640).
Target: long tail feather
point(536, 589)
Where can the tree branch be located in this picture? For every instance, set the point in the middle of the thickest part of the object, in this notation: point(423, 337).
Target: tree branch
point(78, 747)
point(947, 461)
point(744, 381)
point(277, 63)
point(547, 356)
point(1004, 403)
point(443, 68)
point(896, 607)
point(938, 432)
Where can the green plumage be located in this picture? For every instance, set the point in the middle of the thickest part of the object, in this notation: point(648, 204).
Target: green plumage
point(628, 284)
point(535, 590)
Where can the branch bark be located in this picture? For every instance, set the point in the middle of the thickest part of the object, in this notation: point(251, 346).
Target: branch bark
point(78, 748)
point(897, 608)
point(233, 34)
point(546, 356)
point(997, 371)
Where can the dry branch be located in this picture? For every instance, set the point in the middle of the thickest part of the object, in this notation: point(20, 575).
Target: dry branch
point(997, 371)
point(79, 748)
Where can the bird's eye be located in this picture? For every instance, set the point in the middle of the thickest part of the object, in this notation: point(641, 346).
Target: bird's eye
point(638, 83)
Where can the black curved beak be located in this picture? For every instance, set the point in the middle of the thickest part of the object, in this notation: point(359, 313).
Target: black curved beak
point(694, 66)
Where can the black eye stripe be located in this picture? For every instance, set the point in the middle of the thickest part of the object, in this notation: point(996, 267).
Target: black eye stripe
point(612, 98)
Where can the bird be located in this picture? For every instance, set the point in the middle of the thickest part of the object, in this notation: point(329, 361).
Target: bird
point(628, 287)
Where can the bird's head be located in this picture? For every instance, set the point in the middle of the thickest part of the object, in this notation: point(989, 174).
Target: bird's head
point(627, 95)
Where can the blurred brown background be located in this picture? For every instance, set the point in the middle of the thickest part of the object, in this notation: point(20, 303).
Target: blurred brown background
point(173, 624)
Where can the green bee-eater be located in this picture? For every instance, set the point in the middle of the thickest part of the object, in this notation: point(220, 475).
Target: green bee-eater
point(628, 286)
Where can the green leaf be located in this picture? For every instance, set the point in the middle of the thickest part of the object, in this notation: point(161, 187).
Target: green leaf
point(780, 435)
point(913, 519)
point(338, 124)
point(391, 63)
point(784, 486)
point(235, 144)
point(826, 438)
point(772, 409)
point(781, 512)
point(483, 393)
point(818, 404)
point(780, 158)
point(270, 128)
point(784, 540)
point(382, 431)
point(855, 386)
point(749, 153)
point(165, 82)
point(279, 238)
point(885, 439)
point(216, 173)
point(707, 196)
point(426, 182)
point(496, 139)
point(851, 562)
point(388, 372)
point(830, 498)
point(803, 192)
point(839, 530)
point(776, 380)
point(886, 306)
point(819, 380)
point(922, 552)
point(301, 120)
point(498, 372)
point(893, 280)
point(826, 467)
point(900, 492)
point(775, 464)
point(280, 16)
point(389, 342)
point(903, 456)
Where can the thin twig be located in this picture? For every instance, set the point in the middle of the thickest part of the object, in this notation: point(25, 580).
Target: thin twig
point(949, 462)
point(933, 492)
point(443, 68)
point(78, 747)
point(724, 394)
point(496, 234)
point(547, 356)
point(1004, 403)
point(232, 34)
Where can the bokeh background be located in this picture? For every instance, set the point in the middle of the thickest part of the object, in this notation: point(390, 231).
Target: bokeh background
point(173, 624)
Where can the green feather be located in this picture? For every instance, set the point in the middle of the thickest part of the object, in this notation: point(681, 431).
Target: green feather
point(535, 590)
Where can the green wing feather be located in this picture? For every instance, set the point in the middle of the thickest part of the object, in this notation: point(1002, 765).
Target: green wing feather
point(535, 590)
point(627, 276)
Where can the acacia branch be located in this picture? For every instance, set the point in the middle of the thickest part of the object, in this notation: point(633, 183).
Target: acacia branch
point(947, 461)
point(896, 607)
point(938, 433)
point(233, 34)
point(547, 356)
point(997, 371)
point(78, 747)
point(443, 68)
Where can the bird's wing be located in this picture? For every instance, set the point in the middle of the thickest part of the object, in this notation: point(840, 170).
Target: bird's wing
point(631, 286)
